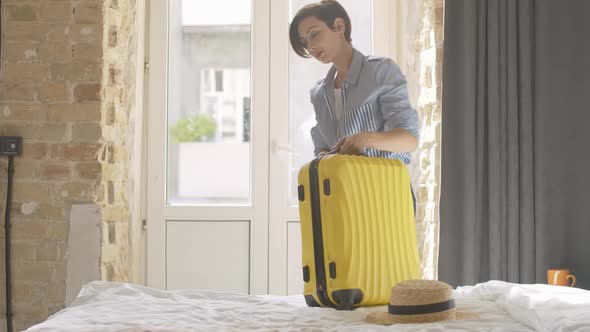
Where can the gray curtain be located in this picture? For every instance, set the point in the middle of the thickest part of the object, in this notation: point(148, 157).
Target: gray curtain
point(515, 190)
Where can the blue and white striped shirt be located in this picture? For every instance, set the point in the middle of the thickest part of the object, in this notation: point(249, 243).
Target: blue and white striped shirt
point(374, 99)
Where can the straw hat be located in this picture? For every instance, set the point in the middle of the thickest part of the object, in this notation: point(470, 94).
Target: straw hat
point(420, 301)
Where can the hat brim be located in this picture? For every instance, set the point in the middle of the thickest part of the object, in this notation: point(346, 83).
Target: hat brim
point(385, 318)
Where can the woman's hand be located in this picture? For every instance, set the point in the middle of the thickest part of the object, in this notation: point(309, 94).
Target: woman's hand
point(353, 145)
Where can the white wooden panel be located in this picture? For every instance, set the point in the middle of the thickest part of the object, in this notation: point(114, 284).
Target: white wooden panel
point(278, 136)
point(157, 84)
point(208, 255)
point(259, 139)
point(207, 213)
point(294, 274)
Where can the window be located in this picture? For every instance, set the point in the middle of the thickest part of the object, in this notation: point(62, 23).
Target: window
point(227, 102)
point(209, 93)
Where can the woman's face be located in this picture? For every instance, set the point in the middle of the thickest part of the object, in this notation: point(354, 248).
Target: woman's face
point(320, 41)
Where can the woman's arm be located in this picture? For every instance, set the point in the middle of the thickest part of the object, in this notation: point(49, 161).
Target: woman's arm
point(319, 144)
point(395, 140)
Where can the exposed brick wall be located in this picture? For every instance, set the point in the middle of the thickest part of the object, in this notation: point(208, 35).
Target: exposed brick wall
point(421, 61)
point(49, 94)
point(119, 75)
point(428, 55)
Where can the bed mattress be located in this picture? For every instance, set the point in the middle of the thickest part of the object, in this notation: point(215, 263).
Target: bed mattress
point(502, 306)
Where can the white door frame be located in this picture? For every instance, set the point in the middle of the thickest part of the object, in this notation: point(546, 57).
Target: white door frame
point(158, 211)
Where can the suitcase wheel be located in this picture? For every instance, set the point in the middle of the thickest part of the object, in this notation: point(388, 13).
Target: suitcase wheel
point(311, 302)
point(346, 299)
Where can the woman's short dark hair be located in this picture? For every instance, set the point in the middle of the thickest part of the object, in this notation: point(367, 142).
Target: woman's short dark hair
point(325, 10)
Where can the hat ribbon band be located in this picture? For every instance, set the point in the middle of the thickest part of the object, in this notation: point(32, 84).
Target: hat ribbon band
point(421, 309)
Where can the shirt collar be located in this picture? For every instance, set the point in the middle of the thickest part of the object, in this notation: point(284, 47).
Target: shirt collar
point(353, 72)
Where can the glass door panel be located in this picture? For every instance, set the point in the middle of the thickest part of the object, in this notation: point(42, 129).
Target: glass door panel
point(209, 108)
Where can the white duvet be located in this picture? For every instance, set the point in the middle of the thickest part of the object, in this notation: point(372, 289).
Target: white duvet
point(107, 306)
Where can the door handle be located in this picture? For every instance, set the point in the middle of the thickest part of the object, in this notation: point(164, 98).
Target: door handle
point(283, 148)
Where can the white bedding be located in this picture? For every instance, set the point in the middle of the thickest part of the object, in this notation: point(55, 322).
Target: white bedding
point(108, 306)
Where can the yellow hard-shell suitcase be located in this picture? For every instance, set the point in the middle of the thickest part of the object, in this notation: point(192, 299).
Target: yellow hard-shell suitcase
point(357, 230)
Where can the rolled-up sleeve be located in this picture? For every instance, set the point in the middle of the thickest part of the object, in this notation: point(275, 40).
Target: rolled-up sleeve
point(394, 101)
point(319, 143)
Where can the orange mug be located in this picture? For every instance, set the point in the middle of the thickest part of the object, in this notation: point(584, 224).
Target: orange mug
point(561, 277)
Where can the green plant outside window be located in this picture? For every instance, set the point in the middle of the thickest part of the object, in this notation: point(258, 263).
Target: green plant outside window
point(194, 128)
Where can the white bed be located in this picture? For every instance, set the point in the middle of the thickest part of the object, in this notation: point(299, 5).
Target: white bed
point(107, 306)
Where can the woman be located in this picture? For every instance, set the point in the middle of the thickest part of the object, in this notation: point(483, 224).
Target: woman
point(362, 105)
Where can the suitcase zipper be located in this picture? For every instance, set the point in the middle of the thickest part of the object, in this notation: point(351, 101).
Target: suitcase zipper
point(318, 243)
